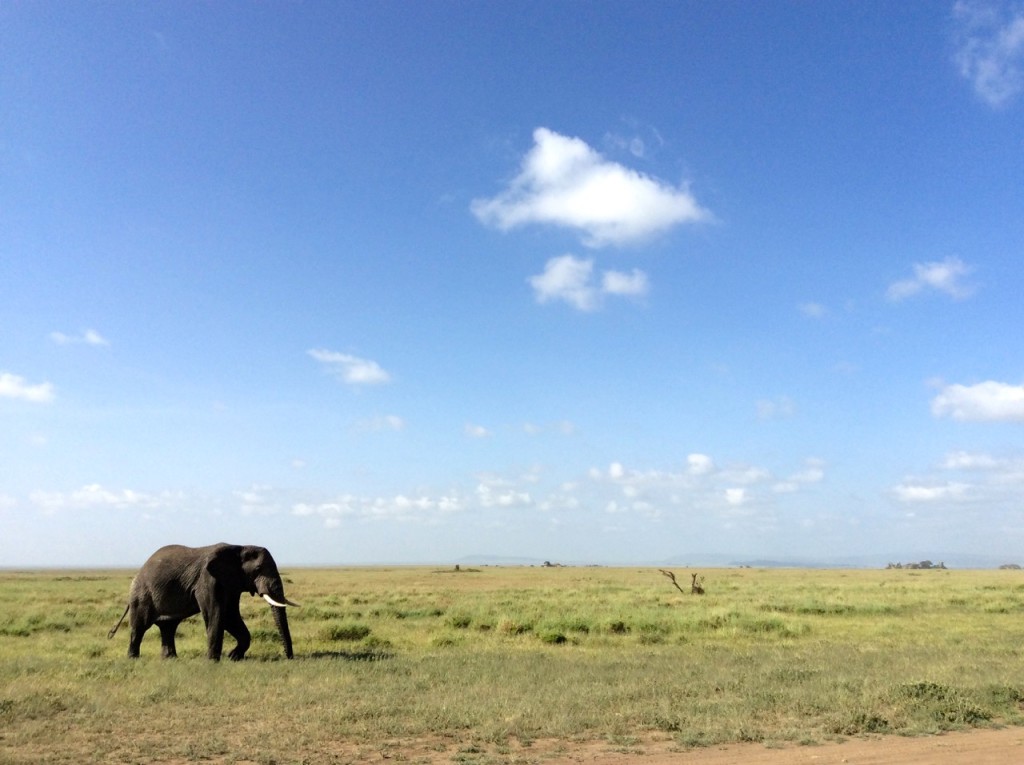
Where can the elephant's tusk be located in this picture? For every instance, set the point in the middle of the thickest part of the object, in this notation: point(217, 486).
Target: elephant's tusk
point(273, 602)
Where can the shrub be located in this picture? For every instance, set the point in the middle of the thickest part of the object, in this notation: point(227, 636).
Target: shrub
point(342, 632)
point(553, 637)
point(459, 621)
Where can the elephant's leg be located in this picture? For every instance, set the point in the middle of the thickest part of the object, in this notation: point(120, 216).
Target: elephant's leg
point(214, 640)
point(239, 632)
point(167, 630)
point(213, 617)
point(139, 624)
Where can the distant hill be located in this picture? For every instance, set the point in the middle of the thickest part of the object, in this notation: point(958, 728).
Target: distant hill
point(727, 560)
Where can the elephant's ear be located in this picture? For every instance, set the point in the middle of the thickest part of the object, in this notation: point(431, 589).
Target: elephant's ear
point(224, 564)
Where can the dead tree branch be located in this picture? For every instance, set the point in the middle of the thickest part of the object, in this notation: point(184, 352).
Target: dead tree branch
point(672, 576)
point(696, 587)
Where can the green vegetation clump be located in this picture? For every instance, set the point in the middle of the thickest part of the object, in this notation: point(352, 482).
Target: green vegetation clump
point(513, 654)
point(349, 632)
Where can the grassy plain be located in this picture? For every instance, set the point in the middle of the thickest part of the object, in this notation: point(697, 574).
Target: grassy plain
point(478, 660)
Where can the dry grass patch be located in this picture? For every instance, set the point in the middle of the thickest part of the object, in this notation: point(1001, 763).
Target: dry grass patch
point(498, 657)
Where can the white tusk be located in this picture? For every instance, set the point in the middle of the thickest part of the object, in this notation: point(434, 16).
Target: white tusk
point(273, 602)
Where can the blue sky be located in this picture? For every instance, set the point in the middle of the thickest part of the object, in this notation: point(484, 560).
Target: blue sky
point(611, 282)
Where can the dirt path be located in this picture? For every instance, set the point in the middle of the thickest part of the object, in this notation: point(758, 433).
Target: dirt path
point(977, 747)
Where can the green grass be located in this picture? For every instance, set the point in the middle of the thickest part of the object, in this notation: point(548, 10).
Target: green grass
point(483, 658)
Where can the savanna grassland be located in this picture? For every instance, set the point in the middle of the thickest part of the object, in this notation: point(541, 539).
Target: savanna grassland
point(475, 665)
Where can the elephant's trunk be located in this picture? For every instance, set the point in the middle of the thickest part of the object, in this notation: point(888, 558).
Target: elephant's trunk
point(281, 620)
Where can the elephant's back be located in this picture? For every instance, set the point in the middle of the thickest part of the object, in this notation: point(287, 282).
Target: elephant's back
point(171, 566)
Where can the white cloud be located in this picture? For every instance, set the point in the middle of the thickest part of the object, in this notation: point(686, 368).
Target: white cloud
point(421, 509)
point(813, 310)
point(258, 500)
point(499, 494)
point(988, 401)
point(634, 284)
point(567, 278)
point(944, 276)
point(813, 472)
point(699, 464)
point(88, 337)
point(990, 49)
point(929, 493)
point(387, 422)
point(351, 369)
point(776, 409)
point(95, 496)
point(699, 484)
point(562, 427)
point(476, 431)
point(640, 146)
point(571, 279)
point(968, 461)
point(986, 481)
point(746, 474)
point(564, 182)
point(736, 496)
point(13, 386)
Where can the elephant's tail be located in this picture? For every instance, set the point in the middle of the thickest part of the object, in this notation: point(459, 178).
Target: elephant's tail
point(111, 633)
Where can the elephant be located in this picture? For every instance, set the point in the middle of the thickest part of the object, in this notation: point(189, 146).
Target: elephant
point(178, 582)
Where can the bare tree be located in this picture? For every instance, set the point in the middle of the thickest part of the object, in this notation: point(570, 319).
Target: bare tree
point(696, 587)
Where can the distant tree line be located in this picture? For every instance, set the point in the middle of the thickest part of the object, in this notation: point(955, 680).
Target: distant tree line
point(920, 564)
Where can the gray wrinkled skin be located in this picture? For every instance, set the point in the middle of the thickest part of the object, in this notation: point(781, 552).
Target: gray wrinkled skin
point(178, 582)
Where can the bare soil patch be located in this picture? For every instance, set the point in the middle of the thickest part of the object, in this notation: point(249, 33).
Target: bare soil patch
point(1003, 746)
point(977, 747)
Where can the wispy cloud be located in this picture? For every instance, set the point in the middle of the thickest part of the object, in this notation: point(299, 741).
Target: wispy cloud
point(617, 489)
point(351, 369)
point(963, 460)
point(813, 310)
point(495, 492)
point(95, 496)
point(698, 484)
point(699, 464)
point(564, 182)
point(87, 337)
point(422, 508)
point(633, 284)
point(572, 280)
point(387, 422)
point(990, 49)
point(780, 408)
point(813, 472)
point(945, 276)
point(641, 141)
point(988, 401)
point(16, 387)
point(736, 496)
point(562, 427)
point(476, 431)
point(701, 483)
point(986, 480)
point(911, 492)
